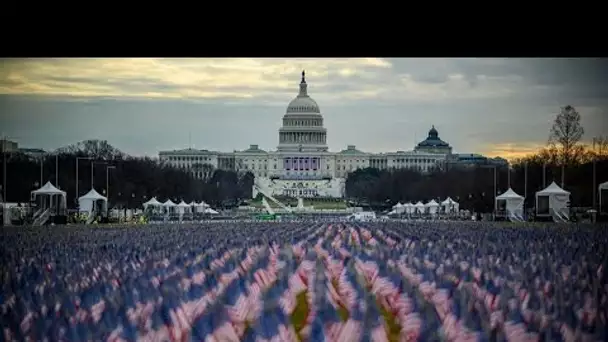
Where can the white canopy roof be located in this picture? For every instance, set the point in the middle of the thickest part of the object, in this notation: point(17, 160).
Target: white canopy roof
point(419, 205)
point(202, 204)
point(398, 205)
point(192, 204)
point(432, 203)
point(48, 189)
point(169, 203)
point(183, 204)
point(408, 205)
point(553, 189)
point(153, 202)
point(603, 186)
point(93, 196)
point(87, 202)
point(509, 194)
point(210, 211)
point(448, 201)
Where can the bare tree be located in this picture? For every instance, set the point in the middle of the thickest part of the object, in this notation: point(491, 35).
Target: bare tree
point(95, 148)
point(566, 133)
point(600, 146)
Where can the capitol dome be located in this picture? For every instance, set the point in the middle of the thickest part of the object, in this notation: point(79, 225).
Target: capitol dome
point(303, 104)
point(302, 129)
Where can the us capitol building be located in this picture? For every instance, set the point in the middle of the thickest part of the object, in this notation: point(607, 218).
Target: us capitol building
point(302, 165)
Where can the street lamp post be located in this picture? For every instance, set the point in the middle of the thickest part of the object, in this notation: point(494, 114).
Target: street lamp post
point(57, 170)
point(77, 159)
point(41, 170)
point(594, 178)
point(495, 190)
point(4, 171)
point(108, 180)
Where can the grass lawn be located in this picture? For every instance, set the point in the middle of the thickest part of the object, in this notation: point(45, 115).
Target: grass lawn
point(298, 318)
point(392, 327)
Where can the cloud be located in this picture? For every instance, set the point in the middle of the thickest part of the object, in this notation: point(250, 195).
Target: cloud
point(479, 105)
point(178, 78)
point(271, 79)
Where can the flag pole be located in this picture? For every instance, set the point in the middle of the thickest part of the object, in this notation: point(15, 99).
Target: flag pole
point(594, 184)
point(57, 170)
point(525, 185)
point(544, 175)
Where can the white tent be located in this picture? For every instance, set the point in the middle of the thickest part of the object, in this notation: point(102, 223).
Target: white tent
point(399, 208)
point(48, 189)
point(449, 205)
point(52, 192)
point(603, 186)
point(419, 207)
point(433, 206)
point(169, 203)
point(200, 207)
point(153, 202)
point(210, 211)
point(553, 200)
point(87, 202)
point(409, 208)
point(514, 203)
point(182, 207)
point(169, 206)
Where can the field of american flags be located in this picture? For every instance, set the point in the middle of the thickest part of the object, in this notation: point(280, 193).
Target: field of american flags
point(237, 281)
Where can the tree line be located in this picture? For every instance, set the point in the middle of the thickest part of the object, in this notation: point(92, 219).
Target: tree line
point(127, 181)
point(133, 180)
point(564, 160)
point(473, 187)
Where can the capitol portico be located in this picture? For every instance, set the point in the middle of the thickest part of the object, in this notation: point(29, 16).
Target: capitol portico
point(302, 165)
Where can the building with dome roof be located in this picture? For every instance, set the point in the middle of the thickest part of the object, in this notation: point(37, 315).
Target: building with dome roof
point(302, 165)
point(433, 144)
point(302, 129)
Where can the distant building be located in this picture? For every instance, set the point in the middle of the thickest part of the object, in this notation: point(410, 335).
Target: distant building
point(33, 152)
point(13, 147)
point(473, 159)
point(302, 165)
point(433, 144)
point(8, 146)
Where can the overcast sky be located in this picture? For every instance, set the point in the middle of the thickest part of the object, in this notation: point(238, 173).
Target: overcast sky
point(490, 106)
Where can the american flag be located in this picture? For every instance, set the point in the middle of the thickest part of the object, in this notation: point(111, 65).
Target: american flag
point(465, 335)
point(221, 328)
point(317, 331)
point(351, 331)
point(388, 282)
point(516, 331)
point(411, 327)
point(346, 288)
point(272, 323)
point(441, 300)
point(287, 301)
point(373, 321)
point(236, 301)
